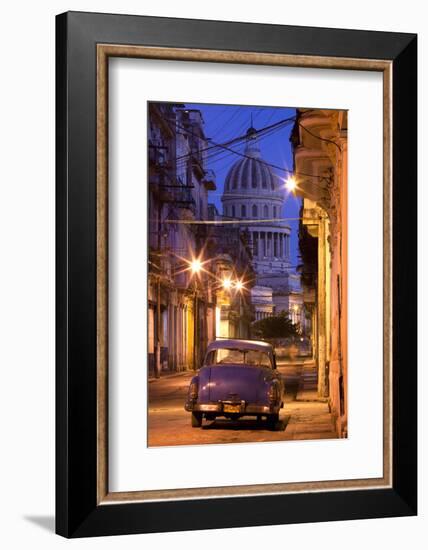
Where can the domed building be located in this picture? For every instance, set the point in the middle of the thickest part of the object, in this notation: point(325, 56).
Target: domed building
point(252, 191)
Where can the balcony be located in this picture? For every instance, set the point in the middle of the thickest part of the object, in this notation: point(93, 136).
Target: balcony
point(209, 180)
point(183, 197)
point(158, 155)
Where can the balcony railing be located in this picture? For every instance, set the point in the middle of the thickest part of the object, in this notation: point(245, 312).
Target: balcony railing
point(183, 197)
point(209, 180)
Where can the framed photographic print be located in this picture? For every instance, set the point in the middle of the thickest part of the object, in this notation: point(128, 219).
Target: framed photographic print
point(236, 274)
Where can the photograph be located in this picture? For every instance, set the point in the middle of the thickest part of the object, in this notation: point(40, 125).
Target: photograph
point(212, 293)
point(247, 273)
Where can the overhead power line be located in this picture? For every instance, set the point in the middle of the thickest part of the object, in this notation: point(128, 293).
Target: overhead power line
point(231, 141)
point(226, 148)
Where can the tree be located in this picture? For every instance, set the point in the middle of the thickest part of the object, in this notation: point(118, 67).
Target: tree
point(277, 326)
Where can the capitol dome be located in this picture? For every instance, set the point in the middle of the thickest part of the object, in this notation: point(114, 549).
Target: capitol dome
point(252, 191)
point(250, 173)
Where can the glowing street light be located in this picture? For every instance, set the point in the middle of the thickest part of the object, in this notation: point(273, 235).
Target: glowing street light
point(227, 283)
point(291, 184)
point(195, 266)
point(239, 285)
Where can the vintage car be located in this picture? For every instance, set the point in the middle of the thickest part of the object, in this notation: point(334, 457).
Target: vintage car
point(238, 378)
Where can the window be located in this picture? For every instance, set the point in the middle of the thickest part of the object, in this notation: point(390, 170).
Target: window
point(229, 356)
point(265, 211)
point(233, 211)
point(274, 211)
point(254, 211)
point(243, 211)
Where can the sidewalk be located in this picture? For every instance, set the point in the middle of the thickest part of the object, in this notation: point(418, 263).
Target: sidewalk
point(308, 385)
point(310, 416)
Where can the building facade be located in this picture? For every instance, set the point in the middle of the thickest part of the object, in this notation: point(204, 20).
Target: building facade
point(253, 193)
point(320, 142)
point(187, 309)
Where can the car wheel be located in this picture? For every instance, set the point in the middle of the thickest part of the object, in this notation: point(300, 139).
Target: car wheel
point(273, 420)
point(196, 419)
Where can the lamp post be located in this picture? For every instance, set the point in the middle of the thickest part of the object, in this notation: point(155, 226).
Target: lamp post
point(239, 288)
point(158, 328)
point(158, 296)
point(195, 268)
point(237, 285)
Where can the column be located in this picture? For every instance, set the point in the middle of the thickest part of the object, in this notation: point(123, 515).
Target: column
point(255, 243)
point(286, 245)
point(322, 310)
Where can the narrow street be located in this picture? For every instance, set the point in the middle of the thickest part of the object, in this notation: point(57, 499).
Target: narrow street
point(303, 417)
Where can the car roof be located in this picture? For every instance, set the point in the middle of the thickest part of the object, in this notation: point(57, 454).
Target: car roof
point(239, 344)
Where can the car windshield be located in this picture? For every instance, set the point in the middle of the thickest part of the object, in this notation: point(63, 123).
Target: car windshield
point(232, 356)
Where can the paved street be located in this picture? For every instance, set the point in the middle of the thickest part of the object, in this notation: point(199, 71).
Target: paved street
point(303, 417)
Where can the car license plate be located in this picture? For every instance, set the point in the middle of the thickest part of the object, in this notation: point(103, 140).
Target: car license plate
point(231, 408)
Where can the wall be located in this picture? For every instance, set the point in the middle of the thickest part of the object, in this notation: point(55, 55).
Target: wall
point(27, 273)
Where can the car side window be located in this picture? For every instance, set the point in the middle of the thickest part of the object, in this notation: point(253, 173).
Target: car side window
point(210, 358)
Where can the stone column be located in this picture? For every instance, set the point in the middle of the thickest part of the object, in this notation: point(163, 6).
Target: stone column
point(322, 309)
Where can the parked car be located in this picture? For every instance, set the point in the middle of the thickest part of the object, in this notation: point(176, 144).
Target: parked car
point(238, 378)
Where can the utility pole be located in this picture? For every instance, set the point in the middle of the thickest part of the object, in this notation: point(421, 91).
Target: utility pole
point(240, 317)
point(158, 299)
point(195, 326)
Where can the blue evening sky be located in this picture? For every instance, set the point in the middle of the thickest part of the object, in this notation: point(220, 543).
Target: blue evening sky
point(225, 122)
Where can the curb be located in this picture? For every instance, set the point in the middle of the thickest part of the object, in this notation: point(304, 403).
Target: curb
point(167, 376)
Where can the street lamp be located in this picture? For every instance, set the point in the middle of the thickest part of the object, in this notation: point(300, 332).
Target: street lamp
point(195, 266)
point(239, 285)
point(227, 283)
point(291, 184)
